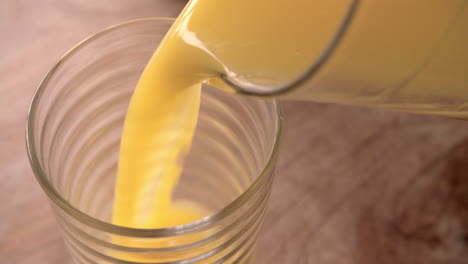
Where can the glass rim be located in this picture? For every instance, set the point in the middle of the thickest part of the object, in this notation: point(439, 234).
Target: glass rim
point(122, 230)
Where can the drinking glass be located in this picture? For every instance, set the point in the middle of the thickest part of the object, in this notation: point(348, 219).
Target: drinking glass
point(73, 133)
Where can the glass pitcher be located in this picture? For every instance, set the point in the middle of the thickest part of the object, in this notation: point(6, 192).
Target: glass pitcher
point(396, 54)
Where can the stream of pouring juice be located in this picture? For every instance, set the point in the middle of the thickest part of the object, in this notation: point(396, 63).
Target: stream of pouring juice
point(269, 42)
point(163, 112)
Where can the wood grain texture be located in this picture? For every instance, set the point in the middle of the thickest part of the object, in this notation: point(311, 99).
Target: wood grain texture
point(353, 185)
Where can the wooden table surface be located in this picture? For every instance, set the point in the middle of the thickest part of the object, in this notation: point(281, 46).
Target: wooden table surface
point(353, 185)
